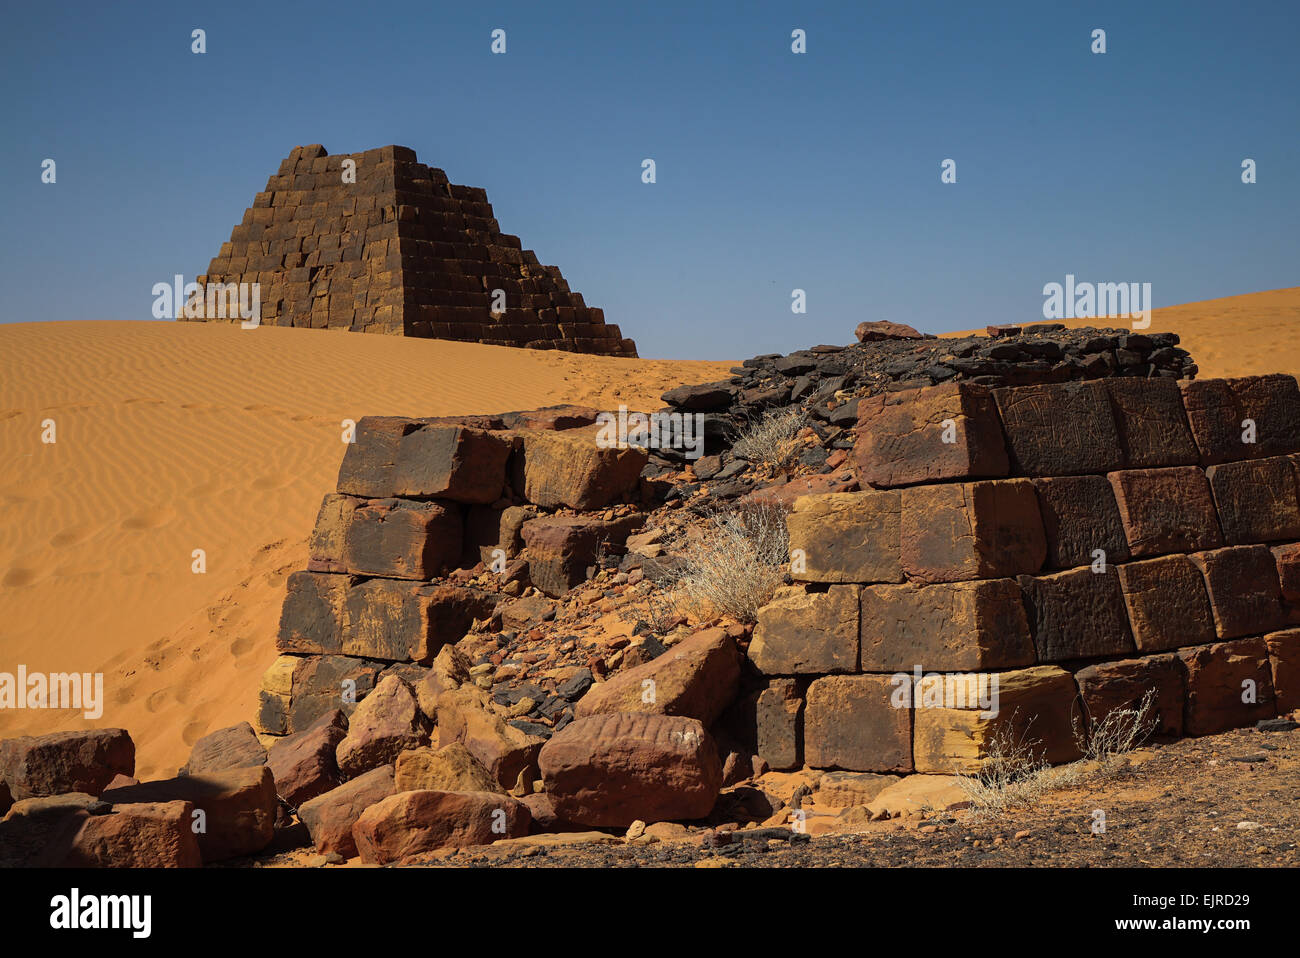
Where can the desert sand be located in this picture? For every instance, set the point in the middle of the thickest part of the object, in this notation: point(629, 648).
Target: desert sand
point(173, 437)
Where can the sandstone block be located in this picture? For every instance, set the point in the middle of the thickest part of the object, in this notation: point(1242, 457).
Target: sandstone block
point(571, 469)
point(851, 722)
point(141, 835)
point(1151, 423)
point(401, 539)
point(60, 762)
point(846, 537)
point(451, 462)
point(698, 678)
point(1221, 413)
point(846, 789)
point(297, 690)
point(1079, 517)
point(325, 547)
point(1062, 429)
point(387, 721)
point(1257, 500)
point(368, 462)
point(1245, 595)
point(802, 632)
point(901, 436)
point(415, 822)
point(609, 770)
point(1284, 662)
point(401, 621)
point(942, 627)
point(311, 616)
point(1229, 685)
point(1123, 685)
point(1076, 614)
point(1166, 510)
point(562, 548)
point(452, 768)
point(234, 747)
point(329, 817)
point(1287, 559)
point(1167, 603)
point(976, 530)
point(463, 716)
point(778, 720)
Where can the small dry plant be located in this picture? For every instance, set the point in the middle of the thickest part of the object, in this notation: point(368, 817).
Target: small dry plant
point(1120, 732)
point(733, 568)
point(772, 440)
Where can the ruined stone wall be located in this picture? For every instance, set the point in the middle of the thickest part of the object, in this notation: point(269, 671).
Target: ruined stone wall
point(1081, 542)
point(402, 251)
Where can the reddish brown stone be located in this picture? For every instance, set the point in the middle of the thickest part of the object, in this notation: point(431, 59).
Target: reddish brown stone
point(853, 722)
point(1287, 559)
point(1151, 423)
point(450, 462)
point(1079, 517)
point(944, 627)
point(873, 331)
point(1123, 685)
point(311, 616)
point(303, 764)
point(975, 530)
point(1229, 685)
point(609, 770)
point(1284, 662)
point(1167, 604)
point(327, 538)
point(1245, 595)
point(561, 549)
point(802, 632)
point(1076, 614)
point(1061, 429)
point(572, 468)
point(1256, 499)
point(698, 677)
point(238, 805)
point(412, 823)
point(234, 747)
point(367, 468)
point(900, 436)
point(402, 539)
point(779, 724)
point(387, 721)
point(403, 621)
point(1218, 410)
point(81, 761)
point(141, 835)
point(846, 537)
point(507, 752)
point(1166, 510)
point(329, 817)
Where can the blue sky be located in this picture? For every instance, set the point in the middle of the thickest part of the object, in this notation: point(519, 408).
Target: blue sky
point(819, 171)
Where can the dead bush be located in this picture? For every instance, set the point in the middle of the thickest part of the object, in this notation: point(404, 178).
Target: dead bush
point(773, 439)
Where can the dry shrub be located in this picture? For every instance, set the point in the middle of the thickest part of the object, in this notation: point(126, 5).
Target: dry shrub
point(734, 568)
point(772, 440)
point(1120, 732)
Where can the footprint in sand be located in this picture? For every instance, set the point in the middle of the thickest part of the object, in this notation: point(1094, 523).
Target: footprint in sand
point(153, 519)
point(193, 731)
point(274, 481)
point(155, 701)
point(70, 537)
point(18, 576)
point(241, 646)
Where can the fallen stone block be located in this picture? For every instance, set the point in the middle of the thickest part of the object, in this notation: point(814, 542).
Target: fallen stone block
point(304, 764)
point(415, 822)
point(610, 770)
point(234, 810)
point(778, 721)
point(1076, 614)
point(1061, 429)
point(450, 462)
point(800, 632)
point(452, 768)
point(329, 817)
point(297, 690)
point(949, 626)
point(1229, 685)
point(506, 752)
point(1080, 517)
point(1245, 595)
point(923, 794)
point(846, 537)
point(846, 789)
point(1284, 663)
point(1246, 418)
point(976, 530)
point(698, 678)
point(140, 835)
point(1167, 604)
point(1256, 499)
point(234, 747)
point(932, 434)
point(1151, 422)
point(569, 468)
point(81, 761)
point(1166, 510)
point(1035, 710)
point(852, 722)
point(387, 721)
point(1107, 687)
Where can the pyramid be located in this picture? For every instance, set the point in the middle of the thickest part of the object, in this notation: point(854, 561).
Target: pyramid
point(401, 251)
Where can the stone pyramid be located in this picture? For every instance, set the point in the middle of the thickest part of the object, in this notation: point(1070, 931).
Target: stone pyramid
point(401, 251)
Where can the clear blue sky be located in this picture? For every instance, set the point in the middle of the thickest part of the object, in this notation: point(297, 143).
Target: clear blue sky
point(775, 170)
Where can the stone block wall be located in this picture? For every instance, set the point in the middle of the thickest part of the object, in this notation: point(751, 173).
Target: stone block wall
point(400, 250)
point(418, 501)
point(1083, 543)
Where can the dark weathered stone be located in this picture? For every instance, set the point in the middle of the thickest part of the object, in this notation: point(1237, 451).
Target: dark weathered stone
point(1245, 595)
point(851, 722)
point(1229, 685)
point(450, 462)
point(226, 748)
point(1076, 614)
point(1151, 423)
point(1284, 660)
point(1124, 684)
point(401, 539)
point(1167, 603)
point(1080, 517)
point(778, 720)
point(1218, 410)
point(81, 761)
point(367, 468)
point(1060, 430)
point(1166, 510)
point(971, 530)
point(1257, 500)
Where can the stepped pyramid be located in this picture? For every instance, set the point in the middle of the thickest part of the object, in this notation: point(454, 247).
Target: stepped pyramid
point(401, 251)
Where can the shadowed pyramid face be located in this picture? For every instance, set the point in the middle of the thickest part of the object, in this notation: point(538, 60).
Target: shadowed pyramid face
point(377, 242)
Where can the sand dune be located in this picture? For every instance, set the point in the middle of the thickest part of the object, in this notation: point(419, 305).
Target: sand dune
point(176, 437)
